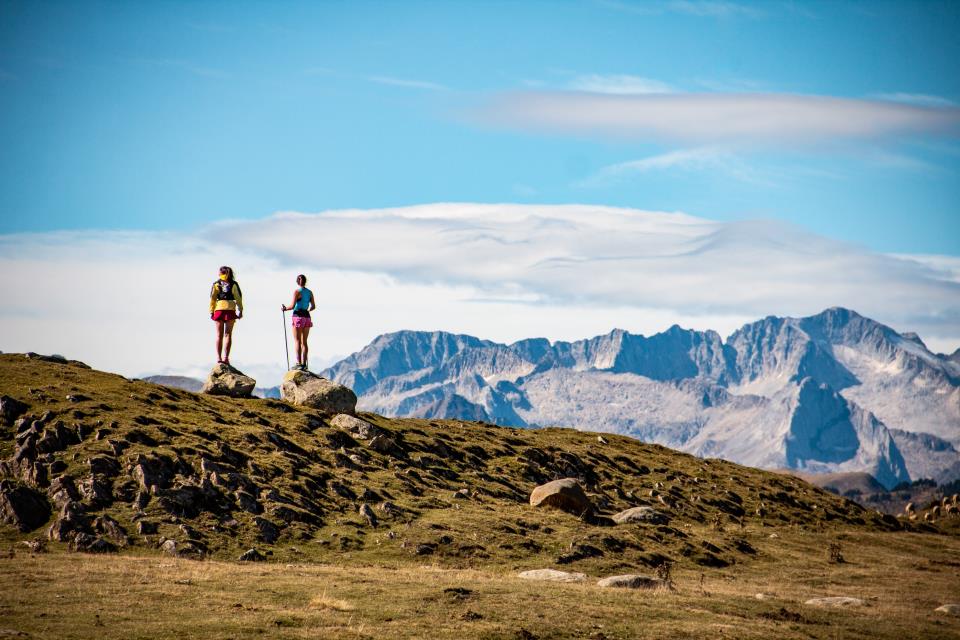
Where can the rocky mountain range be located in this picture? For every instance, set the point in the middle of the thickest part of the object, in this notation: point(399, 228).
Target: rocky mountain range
point(833, 392)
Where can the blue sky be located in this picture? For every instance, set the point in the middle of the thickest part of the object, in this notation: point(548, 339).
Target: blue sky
point(502, 169)
point(172, 115)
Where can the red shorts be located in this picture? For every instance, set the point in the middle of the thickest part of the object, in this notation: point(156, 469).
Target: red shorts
point(300, 322)
point(224, 315)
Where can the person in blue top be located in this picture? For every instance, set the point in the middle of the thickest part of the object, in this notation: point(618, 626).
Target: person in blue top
point(303, 303)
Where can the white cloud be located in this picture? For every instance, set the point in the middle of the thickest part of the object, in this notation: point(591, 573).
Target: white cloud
point(137, 302)
point(697, 159)
point(618, 84)
point(711, 118)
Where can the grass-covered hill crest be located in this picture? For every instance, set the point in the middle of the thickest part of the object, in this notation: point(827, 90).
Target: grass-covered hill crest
point(100, 462)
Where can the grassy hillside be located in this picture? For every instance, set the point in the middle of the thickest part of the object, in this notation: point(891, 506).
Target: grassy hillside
point(228, 475)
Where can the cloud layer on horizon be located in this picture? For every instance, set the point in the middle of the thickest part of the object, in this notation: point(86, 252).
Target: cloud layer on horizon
point(136, 302)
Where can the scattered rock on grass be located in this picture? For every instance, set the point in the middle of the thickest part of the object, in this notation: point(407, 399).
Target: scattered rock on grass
point(360, 428)
point(92, 544)
point(647, 515)
point(632, 581)
point(552, 575)
point(565, 494)
point(835, 601)
point(251, 555)
point(367, 513)
point(387, 446)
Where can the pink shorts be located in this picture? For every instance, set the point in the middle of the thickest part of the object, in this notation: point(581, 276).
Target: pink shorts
point(300, 322)
point(224, 315)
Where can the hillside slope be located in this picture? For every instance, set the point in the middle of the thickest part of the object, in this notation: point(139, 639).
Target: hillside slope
point(133, 463)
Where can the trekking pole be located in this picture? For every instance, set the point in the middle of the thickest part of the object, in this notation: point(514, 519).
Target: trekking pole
point(285, 346)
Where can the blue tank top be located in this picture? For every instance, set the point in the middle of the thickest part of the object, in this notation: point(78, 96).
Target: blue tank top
point(303, 304)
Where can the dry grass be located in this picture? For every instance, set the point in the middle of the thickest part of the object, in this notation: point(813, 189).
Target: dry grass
point(901, 577)
point(324, 601)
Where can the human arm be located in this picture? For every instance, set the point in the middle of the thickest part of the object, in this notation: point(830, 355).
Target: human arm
point(296, 296)
point(238, 296)
point(313, 301)
point(213, 298)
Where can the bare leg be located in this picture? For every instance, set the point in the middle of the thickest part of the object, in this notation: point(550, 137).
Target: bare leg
point(219, 329)
point(296, 342)
point(304, 334)
point(228, 340)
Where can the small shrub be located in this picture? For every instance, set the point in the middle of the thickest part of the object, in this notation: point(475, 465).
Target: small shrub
point(717, 522)
point(835, 553)
point(664, 572)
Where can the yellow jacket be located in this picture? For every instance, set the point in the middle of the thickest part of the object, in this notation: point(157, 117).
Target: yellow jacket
point(233, 301)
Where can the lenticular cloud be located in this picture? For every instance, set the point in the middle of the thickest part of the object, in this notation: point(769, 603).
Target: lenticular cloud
point(762, 118)
point(578, 254)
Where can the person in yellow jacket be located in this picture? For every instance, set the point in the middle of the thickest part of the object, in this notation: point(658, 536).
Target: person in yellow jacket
point(226, 307)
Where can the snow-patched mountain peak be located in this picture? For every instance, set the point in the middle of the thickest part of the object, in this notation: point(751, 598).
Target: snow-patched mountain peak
point(835, 391)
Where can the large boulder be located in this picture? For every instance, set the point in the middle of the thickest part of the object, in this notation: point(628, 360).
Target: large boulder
point(22, 507)
point(647, 515)
point(309, 389)
point(565, 494)
point(224, 380)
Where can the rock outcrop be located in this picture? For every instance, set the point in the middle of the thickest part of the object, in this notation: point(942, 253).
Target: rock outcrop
point(224, 380)
point(309, 389)
point(10, 409)
point(22, 507)
point(565, 494)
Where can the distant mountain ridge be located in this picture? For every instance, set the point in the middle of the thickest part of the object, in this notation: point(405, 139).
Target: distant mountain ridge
point(832, 392)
